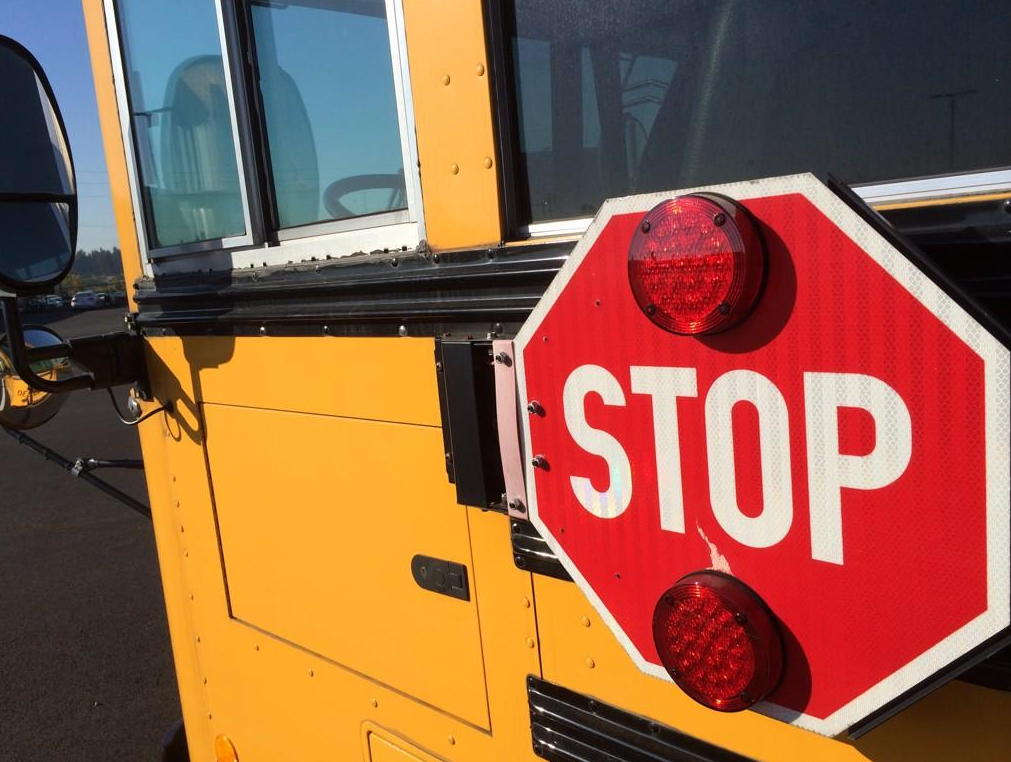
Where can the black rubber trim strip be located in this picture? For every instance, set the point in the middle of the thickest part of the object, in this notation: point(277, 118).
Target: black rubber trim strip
point(455, 292)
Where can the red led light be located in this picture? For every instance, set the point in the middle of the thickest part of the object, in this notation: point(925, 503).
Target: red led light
point(718, 641)
point(696, 264)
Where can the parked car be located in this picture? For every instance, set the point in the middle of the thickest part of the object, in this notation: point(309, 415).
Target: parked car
point(54, 301)
point(84, 300)
point(104, 300)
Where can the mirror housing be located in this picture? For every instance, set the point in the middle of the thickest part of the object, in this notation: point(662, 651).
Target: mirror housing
point(38, 190)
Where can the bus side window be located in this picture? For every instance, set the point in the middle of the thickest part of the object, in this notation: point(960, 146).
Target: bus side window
point(255, 123)
point(326, 79)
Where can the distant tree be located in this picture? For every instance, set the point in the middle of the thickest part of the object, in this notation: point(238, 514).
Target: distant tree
point(99, 262)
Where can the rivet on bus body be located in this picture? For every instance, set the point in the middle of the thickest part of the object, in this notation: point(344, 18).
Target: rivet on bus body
point(452, 741)
point(375, 703)
point(198, 638)
point(455, 169)
point(445, 79)
point(525, 602)
point(530, 643)
point(479, 69)
point(311, 672)
point(585, 621)
point(590, 663)
point(487, 162)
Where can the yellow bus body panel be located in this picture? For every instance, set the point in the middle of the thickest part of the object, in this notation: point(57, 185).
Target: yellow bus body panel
point(453, 113)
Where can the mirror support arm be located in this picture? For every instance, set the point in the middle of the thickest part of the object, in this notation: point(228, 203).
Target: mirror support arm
point(110, 360)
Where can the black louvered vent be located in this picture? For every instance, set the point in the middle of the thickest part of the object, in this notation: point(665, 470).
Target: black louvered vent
point(570, 727)
point(532, 554)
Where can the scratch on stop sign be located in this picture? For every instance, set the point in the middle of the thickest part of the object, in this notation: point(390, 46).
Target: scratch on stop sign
point(717, 560)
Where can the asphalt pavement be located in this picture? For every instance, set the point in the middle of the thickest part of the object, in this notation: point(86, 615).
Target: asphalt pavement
point(85, 665)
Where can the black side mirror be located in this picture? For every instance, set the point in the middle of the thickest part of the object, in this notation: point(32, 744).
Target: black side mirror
point(38, 191)
point(38, 234)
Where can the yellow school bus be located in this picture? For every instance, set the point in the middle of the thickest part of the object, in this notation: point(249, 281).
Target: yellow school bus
point(331, 210)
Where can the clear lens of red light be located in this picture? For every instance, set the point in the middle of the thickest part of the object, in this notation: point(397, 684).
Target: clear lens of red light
point(696, 264)
point(718, 641)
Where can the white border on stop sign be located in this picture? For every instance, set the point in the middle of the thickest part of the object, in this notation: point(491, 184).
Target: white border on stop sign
point(997, 395)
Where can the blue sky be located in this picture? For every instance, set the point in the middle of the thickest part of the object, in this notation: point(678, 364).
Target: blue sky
point(54, 31)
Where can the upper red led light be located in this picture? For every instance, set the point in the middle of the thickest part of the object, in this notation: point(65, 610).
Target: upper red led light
point(718, 641)
point(696, 264)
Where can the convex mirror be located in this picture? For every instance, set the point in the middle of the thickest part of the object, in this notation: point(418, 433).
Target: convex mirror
point(22, 406)
point(38, 192)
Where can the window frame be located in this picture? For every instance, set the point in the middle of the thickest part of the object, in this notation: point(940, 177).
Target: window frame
point(265, 242)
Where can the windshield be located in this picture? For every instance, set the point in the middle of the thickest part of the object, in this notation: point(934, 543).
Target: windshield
point(614, 97)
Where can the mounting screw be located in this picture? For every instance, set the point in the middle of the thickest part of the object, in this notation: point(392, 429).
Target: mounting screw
point(650, 309)
point(654, 728)
point(263, 330)
point(520, 561)
point(517, 505)
point(723, 308)
point(503, 359)
point(644, 227)
point(534, 408)
point(719, 219)
point(402, 330)
point(740, 617)
point(592, 706)
point(539, 461)
point(538, 750)
point(668, 599)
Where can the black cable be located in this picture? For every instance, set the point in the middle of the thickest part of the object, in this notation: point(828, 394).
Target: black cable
point(136, 421)
point(80, 472)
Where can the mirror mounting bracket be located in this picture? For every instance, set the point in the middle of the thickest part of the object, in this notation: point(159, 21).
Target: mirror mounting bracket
point(109, 360)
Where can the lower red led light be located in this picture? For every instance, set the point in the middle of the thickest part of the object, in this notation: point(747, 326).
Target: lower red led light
point(718, 641)
point(696, 264)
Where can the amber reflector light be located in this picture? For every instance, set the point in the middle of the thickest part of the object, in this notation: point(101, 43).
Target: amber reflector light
point(224, 750)
point(718, 641)
point(696, 264)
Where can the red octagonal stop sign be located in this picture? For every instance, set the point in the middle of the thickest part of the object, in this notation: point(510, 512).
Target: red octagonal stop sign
point(844, 451)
